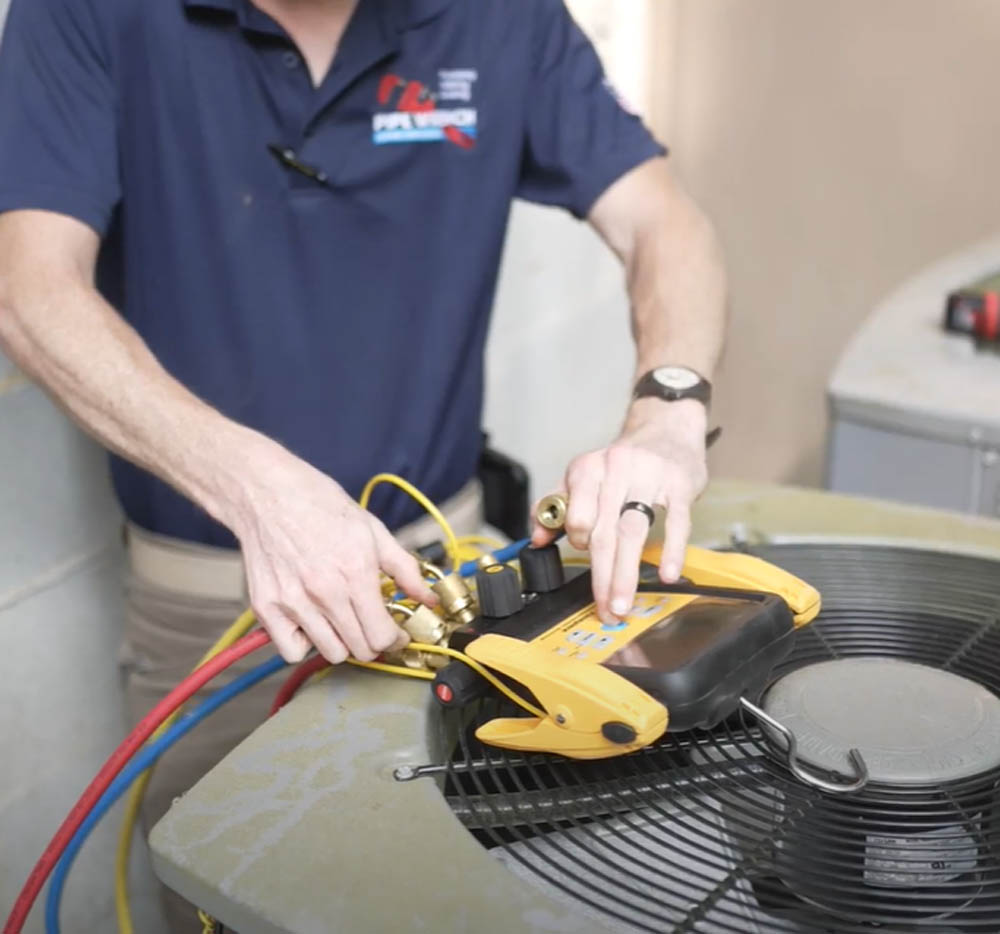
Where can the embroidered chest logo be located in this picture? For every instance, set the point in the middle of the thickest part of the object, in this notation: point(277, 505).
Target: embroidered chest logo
point(413, 113)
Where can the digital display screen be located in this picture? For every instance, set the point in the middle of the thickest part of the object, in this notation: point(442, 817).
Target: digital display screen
point(681, 636)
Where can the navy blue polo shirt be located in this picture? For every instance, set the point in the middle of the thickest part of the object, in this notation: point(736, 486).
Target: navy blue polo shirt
point(316, 262)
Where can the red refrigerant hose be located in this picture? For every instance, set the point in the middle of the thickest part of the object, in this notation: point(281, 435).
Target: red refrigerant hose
point(143, 730)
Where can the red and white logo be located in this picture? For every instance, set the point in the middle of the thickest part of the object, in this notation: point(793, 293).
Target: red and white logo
point(416, 116)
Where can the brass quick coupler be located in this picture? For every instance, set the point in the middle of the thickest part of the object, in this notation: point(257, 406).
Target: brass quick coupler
point(551, 511)
point(457, 603)
point(425, 626)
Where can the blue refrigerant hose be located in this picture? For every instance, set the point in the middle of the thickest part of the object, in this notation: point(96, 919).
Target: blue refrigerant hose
point(142, 761)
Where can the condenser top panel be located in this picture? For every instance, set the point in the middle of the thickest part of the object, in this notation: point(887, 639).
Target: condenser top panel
point(903, 371)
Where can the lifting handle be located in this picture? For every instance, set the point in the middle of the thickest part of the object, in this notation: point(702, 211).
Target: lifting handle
point(856, 783)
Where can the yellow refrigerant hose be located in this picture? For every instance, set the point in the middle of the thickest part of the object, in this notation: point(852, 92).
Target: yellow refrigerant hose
point(236, 631)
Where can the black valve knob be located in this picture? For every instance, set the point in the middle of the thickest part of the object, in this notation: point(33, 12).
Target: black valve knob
point(542, 569)
point(499, 590)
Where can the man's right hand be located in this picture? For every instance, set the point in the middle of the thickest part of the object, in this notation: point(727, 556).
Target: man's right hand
point(313, 559)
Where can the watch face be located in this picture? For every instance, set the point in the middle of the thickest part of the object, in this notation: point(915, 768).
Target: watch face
point(677, 378)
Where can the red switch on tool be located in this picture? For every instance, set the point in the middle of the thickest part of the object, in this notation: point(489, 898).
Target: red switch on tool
point(444, 693)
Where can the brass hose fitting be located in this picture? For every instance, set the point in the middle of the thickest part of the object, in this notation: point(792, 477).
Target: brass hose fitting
point(430, 570)
point(405, 611)
point(397, 656)
point(551, 511)
point(457, 603)
point(425, 626)
point(420, 661)
point(420, 623)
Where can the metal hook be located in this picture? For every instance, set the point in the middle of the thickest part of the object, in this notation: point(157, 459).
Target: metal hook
point(799, 770)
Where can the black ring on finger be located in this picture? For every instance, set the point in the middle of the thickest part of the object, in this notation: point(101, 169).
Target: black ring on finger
point(645, 509)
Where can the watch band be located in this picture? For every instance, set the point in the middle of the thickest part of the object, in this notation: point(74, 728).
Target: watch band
point(650, 386)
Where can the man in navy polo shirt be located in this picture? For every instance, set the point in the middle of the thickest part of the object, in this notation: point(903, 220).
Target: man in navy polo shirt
point(251, 245)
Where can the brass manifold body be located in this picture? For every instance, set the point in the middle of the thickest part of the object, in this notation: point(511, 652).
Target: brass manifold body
point(457, 607)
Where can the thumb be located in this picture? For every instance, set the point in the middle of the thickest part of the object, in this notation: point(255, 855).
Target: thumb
point(541, 536)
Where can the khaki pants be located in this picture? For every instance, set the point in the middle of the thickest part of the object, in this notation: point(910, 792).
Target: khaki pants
point(176, 608)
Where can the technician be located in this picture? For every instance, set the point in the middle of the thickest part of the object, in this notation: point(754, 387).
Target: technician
point(251, 246)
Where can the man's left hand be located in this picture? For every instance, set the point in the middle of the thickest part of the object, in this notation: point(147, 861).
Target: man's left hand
point(659, 460)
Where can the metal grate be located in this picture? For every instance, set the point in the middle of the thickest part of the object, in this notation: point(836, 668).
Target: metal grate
point(708, 832)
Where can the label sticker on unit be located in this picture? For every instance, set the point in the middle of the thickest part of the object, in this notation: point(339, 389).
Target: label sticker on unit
point(910, 860)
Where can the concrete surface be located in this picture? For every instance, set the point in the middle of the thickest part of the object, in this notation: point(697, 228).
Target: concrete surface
point(787, 514)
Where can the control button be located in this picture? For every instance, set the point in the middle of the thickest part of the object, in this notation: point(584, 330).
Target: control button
point(581, 654)
point(603, 642)
point(614, 627)
point(620, 733)
point(562, 650)
point(444, 693)
point(580, 636)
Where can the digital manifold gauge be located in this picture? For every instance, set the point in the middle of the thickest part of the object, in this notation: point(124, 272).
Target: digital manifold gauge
point(683, 657)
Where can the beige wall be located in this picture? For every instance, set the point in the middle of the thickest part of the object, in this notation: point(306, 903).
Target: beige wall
point(559, 359)
point(839, 147)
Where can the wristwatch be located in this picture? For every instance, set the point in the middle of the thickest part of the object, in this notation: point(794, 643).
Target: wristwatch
point(674, 383)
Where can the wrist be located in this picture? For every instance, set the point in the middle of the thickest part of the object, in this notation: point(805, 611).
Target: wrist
point(685, 419)
point(244, 471)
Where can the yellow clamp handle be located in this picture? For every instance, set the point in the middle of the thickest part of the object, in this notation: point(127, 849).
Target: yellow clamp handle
point(580, 700)
point(745, 572)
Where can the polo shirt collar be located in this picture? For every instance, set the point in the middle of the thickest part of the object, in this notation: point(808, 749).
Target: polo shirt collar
point(417, 12)
point(374, 33)
point(370, 38)
point(223, 5)
point(404, 14)
point(244, 12)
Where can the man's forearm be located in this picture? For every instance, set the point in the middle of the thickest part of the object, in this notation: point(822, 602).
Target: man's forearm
point(675, 276)
point(676, 283)
point(313, 558)
point(60, 331)
point(677, 291)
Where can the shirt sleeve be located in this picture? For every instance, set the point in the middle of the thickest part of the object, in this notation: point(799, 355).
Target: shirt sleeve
point(58, 113)
point(579, 138)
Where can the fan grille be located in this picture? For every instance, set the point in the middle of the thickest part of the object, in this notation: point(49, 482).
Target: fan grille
point(707, 831)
